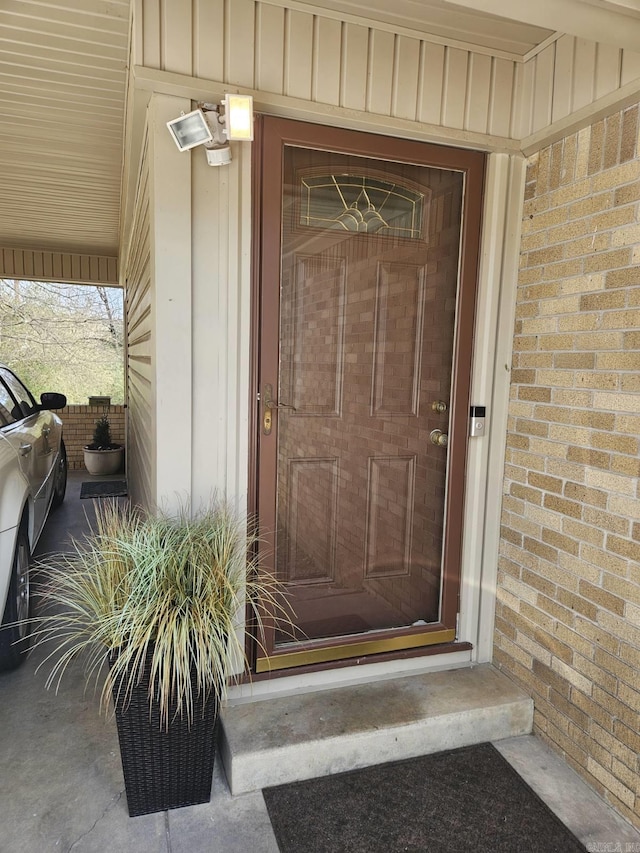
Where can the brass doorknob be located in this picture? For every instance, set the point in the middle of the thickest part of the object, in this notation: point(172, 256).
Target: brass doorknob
point(439, 438)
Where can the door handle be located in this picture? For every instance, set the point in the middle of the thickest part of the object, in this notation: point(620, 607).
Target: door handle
point(269, 404)
point(439, 438)
point(25, 449)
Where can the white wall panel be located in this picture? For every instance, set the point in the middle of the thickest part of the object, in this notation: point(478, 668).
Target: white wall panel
point(354, 66)
point(523, 99)
point(584, 73)
point(477, 107)
point(239, 43)
point(500, 107)
point(299, 55)
point(630, 67)
point(432, 83)
point(327, 55)
point(608, 61)
point(543, 91)
point(177, 29)
point(455, 87)
point(407, 68)
point(159, 316)
point(381, 72)
point(571, 83)
point(308, 54)
point(170, 202)
point(221, 313)
point(149, 17)
point(563, 77)
point(270, 36)
point(208, 39)
point(265, 46)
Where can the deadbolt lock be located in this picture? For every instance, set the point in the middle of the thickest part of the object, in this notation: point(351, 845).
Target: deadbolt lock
point(439, 438)
point(439, 406)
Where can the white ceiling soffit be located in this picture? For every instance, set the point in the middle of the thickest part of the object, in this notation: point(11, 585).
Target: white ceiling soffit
point(513, 26)
point(615, 22)
point(62, 93)
point(453, 22)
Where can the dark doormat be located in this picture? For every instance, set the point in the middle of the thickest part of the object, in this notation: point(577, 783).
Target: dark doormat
point(468, 799)
point(104, 489)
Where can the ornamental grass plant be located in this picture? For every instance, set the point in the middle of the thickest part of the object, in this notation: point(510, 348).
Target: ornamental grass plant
point(174, 588)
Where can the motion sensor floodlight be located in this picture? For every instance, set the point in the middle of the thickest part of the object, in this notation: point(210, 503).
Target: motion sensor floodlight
point(189, 130)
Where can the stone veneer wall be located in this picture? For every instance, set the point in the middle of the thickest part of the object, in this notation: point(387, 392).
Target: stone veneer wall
point(568, 609)
point(78, 424)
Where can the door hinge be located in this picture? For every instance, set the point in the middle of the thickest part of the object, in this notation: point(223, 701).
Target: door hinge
point(457, 626)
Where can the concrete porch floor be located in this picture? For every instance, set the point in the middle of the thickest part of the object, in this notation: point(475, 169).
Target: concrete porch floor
point(61, 786)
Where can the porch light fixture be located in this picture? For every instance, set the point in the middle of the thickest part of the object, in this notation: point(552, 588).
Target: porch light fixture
point(214, 126)
point(190, 130)
point(238, 117)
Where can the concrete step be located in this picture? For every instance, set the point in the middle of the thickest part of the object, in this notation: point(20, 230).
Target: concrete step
point(287, 739)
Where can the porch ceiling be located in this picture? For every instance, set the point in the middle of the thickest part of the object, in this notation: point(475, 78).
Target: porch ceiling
point(452, 21)
point(62, 94)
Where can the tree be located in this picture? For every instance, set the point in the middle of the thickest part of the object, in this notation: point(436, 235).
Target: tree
point(62, 337)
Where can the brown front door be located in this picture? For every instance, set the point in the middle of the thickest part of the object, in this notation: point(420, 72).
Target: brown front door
point(368, 267)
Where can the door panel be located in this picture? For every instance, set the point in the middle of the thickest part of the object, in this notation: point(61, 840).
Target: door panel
point(360, 309)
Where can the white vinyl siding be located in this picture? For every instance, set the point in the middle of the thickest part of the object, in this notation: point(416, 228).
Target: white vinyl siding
point(221, 299)
point(58, 266)
point(278, 48)
point(316, 58)
point(141, 428)
point(572, 75)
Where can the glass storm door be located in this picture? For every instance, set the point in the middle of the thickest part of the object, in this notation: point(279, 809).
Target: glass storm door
point(367, 291)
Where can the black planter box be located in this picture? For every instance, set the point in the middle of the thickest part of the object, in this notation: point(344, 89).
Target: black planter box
point(164, 768)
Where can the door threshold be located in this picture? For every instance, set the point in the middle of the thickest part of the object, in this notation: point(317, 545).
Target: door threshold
point(256, 687)
point(363, 653)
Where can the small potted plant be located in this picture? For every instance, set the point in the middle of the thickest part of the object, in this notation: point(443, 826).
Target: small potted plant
point(102, 456)
point(154, 602)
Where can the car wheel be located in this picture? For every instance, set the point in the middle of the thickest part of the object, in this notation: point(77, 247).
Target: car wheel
point(60, 484)
point(14, 640)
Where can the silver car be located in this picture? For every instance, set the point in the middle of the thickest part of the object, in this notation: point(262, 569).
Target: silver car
point(33, 480)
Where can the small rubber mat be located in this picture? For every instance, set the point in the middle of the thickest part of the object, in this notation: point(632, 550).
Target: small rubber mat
point(468, 799)
point(104, 489)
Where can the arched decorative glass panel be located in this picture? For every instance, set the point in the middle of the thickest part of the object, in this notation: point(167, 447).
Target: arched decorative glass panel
point(362, 203)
